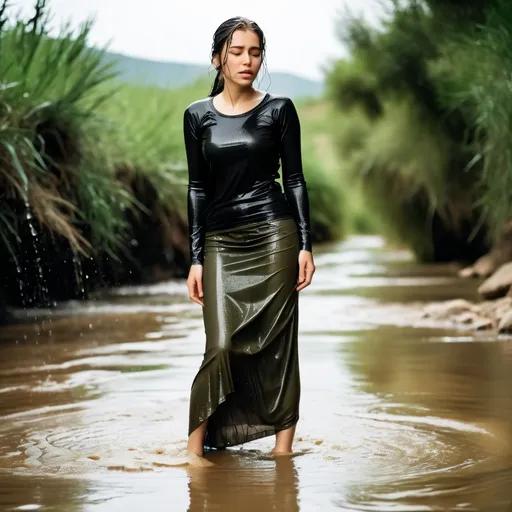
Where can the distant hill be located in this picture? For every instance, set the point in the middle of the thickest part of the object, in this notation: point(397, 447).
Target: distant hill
point(173, 75)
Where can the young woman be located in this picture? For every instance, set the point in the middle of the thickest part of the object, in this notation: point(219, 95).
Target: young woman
point(250, 247)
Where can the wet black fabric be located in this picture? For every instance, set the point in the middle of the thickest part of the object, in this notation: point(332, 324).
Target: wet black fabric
point(248, 384)
point(233, 164)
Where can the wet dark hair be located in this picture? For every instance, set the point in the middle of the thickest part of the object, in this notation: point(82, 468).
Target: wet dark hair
point(224, 34)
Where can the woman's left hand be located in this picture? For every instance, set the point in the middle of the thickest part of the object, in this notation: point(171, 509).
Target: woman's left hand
point(306, 269)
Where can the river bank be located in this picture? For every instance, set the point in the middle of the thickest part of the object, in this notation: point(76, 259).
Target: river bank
point(491, 276)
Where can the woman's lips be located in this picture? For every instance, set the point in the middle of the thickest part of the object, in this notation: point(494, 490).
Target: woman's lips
point(246, 74)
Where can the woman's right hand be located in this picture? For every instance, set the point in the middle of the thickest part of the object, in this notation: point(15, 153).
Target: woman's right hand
point(195, 284)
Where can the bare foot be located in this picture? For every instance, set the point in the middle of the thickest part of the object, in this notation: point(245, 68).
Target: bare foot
point(281, 452)
point(198, 462)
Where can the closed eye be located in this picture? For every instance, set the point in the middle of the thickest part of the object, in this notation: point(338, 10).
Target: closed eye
point(252, 54)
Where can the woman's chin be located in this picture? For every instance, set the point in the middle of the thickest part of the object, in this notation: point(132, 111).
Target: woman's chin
point(243, 83)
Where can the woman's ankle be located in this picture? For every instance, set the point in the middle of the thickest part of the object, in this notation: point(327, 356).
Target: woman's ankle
point(195, 449)
point(282, 450)
point(196, 440)
point(284, 441)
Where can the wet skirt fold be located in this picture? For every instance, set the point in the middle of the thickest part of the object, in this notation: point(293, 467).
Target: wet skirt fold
point(248, 385)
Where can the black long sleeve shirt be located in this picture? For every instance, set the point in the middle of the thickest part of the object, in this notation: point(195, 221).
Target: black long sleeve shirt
point(233, 163)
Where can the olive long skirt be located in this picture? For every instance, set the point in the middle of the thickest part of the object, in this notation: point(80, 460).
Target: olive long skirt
point(248, 385)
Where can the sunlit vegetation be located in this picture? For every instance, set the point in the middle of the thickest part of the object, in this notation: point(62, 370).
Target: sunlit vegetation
point(79, 183)
point(426, 110)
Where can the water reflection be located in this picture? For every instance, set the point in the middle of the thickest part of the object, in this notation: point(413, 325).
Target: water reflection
point(36, 493)
point(455, 394)
point(459, 378)
point(240, 483)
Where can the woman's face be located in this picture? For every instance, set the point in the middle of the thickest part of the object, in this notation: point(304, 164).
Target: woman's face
point(242, 59)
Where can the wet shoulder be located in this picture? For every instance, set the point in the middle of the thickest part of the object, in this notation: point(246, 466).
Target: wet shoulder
point(280, 106)
point(199, 107)
point(278, 101)
point(198, 115)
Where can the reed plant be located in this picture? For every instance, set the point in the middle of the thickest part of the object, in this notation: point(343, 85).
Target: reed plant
point(400, 140)
point(474, 78)
point(53, 162)
point(146, 136)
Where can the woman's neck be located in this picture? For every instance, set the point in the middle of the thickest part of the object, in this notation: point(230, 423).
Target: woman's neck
point(236, 96)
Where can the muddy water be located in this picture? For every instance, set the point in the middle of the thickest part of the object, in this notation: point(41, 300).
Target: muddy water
point(396, 414)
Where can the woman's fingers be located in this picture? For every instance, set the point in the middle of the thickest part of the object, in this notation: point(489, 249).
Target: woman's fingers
point(195, 284)
point(302, 271)
point(193, 291)
point(308, 269)
point(302, 286)
point(200, 288)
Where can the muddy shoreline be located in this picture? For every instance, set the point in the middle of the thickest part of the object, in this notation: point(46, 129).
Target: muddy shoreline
point(490, 316)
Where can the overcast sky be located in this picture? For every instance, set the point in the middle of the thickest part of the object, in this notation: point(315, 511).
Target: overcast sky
point(300, 34)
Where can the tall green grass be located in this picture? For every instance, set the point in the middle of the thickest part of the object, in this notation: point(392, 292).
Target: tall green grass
point(52, 159)
point(474, 77)
point(336, 203)
point(146, 136)
point(397, 137)
point(73, 138)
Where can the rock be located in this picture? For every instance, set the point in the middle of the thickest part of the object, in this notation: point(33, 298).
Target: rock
point(32, 461)
point(502, 307)
point(486, 309)
point(467, 272)
point(33, 451)
point(475, 320)
point(466, 318)
point(448, 308)
point(482, 324)
point(500, 254)
point(485, 266)
point(505, 325)
point(498, 284)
